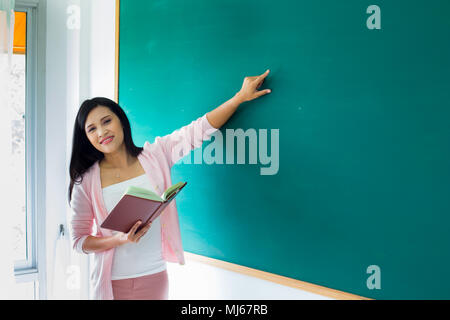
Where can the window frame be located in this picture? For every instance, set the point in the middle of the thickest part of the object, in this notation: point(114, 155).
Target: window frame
point(20, 266)
point(33, 269)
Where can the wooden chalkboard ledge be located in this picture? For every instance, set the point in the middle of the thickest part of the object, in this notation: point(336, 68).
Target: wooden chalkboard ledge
point(285, 281)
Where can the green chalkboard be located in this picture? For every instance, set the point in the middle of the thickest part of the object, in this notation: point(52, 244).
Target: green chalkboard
point(364, 136)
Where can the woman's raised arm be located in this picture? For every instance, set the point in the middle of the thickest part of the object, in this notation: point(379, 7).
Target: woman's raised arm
point(179, 143)
point(249, 91)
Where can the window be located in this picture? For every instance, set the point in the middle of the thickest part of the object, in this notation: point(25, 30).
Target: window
point(24, 138)
point(18, 166)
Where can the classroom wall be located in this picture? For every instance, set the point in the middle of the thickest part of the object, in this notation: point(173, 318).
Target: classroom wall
point(213, 283)
point(63, 72)
point(79, 65)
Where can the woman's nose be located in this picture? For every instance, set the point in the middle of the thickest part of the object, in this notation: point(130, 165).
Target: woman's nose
point(102, 133)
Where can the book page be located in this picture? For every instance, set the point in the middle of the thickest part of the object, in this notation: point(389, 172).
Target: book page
point(168, 193)
point(143, 193)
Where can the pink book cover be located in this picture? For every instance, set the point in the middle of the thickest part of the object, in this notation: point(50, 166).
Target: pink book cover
point(130, 209)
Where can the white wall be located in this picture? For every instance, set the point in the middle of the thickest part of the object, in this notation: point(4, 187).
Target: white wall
point(199, 281)
point(80, 65)
point(64, 72)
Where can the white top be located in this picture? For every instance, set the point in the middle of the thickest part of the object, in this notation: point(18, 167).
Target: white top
point(133, 260)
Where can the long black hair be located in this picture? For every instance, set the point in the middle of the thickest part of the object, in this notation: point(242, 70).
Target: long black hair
point(84, 154)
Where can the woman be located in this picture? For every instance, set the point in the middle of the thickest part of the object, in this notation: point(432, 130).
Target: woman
point(103, 164)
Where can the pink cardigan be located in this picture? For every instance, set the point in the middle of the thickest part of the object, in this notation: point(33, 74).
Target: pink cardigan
point(157, 159)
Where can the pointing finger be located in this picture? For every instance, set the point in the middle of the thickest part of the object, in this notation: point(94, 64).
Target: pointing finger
point(264, 75)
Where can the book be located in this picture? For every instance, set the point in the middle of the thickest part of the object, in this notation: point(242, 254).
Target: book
point(139, 204)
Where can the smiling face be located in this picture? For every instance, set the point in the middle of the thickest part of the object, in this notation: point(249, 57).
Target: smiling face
point(104, 129)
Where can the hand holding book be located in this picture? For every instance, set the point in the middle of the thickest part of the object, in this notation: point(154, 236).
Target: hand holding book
point(133, 235)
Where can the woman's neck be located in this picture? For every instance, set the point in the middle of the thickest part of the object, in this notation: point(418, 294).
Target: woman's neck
point(120, 159)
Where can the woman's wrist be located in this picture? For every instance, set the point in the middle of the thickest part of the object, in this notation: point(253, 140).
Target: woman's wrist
point(238, 98)
point(120, 239)
point(93, 244)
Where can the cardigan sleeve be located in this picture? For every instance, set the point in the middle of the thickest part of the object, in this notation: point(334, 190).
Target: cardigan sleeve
point(81, 218)
point(179, 143)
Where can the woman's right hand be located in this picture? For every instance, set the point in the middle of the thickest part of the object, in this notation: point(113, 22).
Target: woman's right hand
point(132, 236)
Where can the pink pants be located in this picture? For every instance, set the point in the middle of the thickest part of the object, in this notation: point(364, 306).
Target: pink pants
point(151, 287)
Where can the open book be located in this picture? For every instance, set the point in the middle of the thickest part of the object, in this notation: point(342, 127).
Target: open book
point(139, 204)
point(150, 195)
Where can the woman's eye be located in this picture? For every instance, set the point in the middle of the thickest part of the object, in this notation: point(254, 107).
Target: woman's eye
point(107, 121)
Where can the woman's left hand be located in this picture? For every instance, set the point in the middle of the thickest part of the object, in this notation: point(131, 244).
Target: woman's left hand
point(249, 90)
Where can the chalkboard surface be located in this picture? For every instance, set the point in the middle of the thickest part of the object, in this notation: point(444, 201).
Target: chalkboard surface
point(363, 133)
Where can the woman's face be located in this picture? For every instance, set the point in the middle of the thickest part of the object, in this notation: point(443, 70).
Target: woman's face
point(104, 129)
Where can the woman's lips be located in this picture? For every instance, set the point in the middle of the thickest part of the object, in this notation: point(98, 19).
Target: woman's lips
point(107, 140)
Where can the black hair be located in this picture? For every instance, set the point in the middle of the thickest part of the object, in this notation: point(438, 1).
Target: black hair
point(84, 154)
